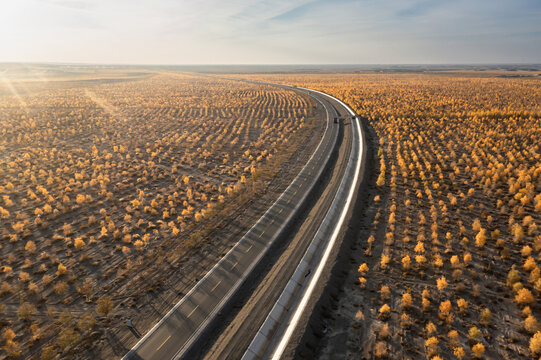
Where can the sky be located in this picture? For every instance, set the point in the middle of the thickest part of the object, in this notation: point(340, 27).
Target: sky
point(271, 31)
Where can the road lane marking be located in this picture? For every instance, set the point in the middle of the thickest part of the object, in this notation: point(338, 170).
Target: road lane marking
point(215, 286)
point(250, 248)
point(279, 212)
point(260, 235)
point(163, 343)
point(195, 308)
point(234, 265)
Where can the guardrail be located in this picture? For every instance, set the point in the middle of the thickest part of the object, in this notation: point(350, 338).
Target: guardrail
point(132, 354)
point(302, 279)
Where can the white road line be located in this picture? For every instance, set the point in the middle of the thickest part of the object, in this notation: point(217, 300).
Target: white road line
point(306, 297)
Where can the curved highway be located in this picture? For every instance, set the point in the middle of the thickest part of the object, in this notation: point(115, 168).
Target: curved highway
point(181, 327)
point(285, 317)
point(243, 323)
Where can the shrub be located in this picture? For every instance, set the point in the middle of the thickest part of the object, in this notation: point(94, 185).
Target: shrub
point(406, 261)
point(30, 247)
point(384, 261)
point(406, 300)
point(381, 179)
point(453, 336)
point(459, 352)
point(363, 268)
point(529, 264)
point(385, 293)
point(524, 296)
point(486, 316)
point(78, 243)
point(24, 276)
point(33, 288)
point(380, 350)
point(384, 311)
point(478, 350)
point(441, 283)
point(86, 323)
point(12, 349)
point(425, 304)
point(36, 332)
point(86, 287)
point(531, 324)
point(445, 309)
point(46, 279)
point(68, 338)
point(535, 343)
point(526, 251)
point(384, 332)
point(362, 282)
point(431, 345)
point(8, 334)
point(104, 305)
point(61, 270)
point(481, 238)
point(25, 311)
point(462, 305)
point(430, 328)
point(405, 320)
point(61, 288)
point(474, 333)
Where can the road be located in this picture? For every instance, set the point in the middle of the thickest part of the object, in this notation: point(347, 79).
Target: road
point(181, 326)
point(234, 340)
point(292, 307)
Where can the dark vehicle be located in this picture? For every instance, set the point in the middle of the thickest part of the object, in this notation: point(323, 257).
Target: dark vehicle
point(336, 120)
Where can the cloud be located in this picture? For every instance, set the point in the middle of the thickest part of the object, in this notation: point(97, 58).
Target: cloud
point(295, 13)
point(419, 8)
point(271, 31)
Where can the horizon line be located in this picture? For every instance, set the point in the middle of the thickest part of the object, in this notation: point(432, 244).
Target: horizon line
point(272, 64)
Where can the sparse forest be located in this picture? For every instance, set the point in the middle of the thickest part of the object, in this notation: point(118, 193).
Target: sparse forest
point(104, 185)
point(448, 268)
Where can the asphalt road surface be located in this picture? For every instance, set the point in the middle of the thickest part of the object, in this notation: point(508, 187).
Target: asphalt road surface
point(180, 327)
point(237, 335)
